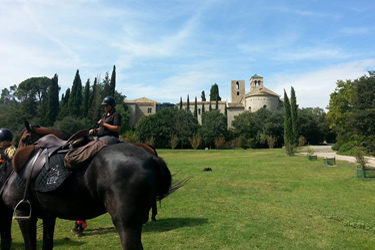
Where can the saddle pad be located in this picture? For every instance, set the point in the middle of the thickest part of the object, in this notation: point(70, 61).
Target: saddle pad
point(51, 177)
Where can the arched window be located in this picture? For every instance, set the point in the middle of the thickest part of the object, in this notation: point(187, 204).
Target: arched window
point(264, 106)
point(237, 85)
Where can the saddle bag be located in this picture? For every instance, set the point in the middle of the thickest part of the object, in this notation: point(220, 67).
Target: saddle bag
point(82, 155)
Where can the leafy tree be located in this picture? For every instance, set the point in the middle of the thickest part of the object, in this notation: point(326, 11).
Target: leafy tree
point(214, 93)
point(213, 125)
point(185, 126)
point(310, 127)
point(160, 126)
point(75, 99)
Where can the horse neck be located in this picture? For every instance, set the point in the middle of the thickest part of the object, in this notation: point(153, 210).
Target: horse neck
point(45, 131)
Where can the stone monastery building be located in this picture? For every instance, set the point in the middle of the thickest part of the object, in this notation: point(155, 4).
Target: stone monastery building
point(258, 97)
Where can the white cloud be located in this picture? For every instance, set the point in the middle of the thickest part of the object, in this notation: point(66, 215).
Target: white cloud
point(313, 89)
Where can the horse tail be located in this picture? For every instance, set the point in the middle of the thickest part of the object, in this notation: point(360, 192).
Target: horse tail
point(164, 178)
point(166, 185)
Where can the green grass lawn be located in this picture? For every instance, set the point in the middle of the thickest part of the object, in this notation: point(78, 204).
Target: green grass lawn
point(253, 199)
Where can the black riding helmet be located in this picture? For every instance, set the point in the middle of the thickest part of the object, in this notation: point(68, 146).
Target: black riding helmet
point(109, 100)
point(5, 135)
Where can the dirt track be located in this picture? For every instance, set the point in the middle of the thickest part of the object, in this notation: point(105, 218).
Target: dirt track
point(326, 151)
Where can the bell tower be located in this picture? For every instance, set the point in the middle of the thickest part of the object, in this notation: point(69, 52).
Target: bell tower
point(237, 90)
point(256, 82)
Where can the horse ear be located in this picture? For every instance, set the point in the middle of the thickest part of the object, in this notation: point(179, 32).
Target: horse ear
point(27, 126)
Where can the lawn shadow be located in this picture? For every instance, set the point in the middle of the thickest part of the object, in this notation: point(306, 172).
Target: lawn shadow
point(169, 224)
point(100, 230)
point(65, 241)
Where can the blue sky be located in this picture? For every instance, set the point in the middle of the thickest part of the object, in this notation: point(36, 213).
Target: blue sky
point(165, 50)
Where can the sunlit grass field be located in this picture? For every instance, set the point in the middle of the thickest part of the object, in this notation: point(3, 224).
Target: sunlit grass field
point(252, 199)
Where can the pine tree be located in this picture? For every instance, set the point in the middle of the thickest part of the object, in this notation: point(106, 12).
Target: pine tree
point(53, 101)
point(113, 82)
point(288, 127)
point(294, 115)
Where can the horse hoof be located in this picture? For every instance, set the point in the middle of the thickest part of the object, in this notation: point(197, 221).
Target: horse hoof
point(79, 234)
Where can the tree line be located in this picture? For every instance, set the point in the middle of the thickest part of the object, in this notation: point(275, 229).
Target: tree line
point(37, 100)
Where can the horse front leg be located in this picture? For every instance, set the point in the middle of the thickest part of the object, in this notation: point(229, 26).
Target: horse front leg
point(48, 232)
point(5, 226)
point(28, 229)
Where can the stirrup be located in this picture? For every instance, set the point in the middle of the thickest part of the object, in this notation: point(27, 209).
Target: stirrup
point(25, 204)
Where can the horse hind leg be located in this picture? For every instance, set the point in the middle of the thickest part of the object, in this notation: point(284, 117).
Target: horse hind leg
point(130, 235)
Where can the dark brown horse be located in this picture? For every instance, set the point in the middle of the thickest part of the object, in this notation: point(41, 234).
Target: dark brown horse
point(122, 180)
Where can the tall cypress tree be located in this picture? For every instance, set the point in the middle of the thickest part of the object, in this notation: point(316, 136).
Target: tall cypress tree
point(180, 102)
point(188, 104)
point(95, 112)
point(53, 101)
point(203, 108)
point(75, 100)
point(113, 82)
point(294, 115)
point(217, 104)
point(203, 96)
point(86, 99)
point(288, 127)
point(195, 108)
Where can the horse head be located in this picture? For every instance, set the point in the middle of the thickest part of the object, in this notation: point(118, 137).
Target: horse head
point(33, 133)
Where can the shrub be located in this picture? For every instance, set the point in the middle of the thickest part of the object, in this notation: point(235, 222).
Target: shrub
point(271, 141)
point(174, 141)
point(196, 141)
point(150, 141)
point(219, 142)
point(129, 136)
point(347, 148)
point(301, 141)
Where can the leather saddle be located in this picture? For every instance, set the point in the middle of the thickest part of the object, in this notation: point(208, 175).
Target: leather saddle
point(30, 160)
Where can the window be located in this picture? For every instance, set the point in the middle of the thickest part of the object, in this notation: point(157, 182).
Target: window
point(238, 93)
point(237, 85)
point(149, 110)
point(264, 106)
point(199, 111)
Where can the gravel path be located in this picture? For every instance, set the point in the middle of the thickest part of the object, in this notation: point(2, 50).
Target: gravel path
point(326, 151)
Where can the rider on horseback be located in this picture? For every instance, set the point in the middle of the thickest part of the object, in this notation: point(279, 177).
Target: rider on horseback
point(6, 149)
point(109, 125)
